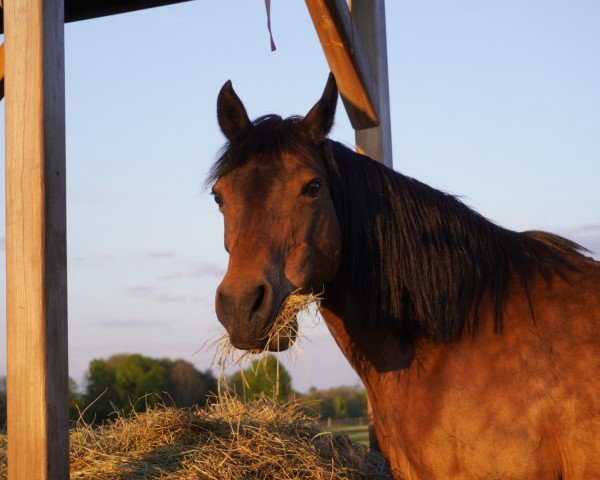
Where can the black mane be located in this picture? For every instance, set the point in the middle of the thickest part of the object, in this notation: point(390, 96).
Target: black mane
point(419, 259)
point(413, 258)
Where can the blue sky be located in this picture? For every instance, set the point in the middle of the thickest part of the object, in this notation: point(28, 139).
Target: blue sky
point(498, 102)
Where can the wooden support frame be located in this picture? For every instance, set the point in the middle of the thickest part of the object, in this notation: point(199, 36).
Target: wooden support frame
point(354, 42)
point(37, 367)
point(369, 18)
point(347, 60)
point(76, 10)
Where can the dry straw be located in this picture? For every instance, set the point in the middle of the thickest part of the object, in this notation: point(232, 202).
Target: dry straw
point(228, 440)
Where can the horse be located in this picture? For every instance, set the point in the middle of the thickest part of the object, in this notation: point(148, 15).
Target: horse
point(477, 345)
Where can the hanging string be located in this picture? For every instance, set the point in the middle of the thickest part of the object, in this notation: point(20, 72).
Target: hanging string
point(268, 7)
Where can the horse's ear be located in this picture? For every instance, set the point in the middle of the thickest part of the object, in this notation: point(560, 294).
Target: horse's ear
point(231, 112)
point(319, 119)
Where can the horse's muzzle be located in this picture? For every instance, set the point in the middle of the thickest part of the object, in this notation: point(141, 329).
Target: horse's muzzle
point(247, 310)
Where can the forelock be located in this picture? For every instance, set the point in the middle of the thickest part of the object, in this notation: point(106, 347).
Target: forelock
point(269, 137)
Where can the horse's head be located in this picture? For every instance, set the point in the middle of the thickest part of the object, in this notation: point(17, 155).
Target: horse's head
point(281, 229)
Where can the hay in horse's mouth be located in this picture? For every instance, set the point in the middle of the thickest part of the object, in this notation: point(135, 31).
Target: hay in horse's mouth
point(285, 326)
point(284, 332)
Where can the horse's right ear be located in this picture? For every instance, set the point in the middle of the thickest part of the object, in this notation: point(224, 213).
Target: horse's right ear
point(231, 112)
point(319, 119)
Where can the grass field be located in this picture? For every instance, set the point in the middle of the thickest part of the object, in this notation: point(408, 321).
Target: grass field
point(357, 431)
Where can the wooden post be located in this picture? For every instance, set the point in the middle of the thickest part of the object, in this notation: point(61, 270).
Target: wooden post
point(37, 379)
point(369, 19)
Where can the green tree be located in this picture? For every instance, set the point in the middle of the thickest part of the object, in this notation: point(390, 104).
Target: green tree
point(337, 402)
point(187, 386)
point(76, 401)
point(262, 379)
point(123, 382)
point(133, 382)
point(340, 406)
point(136, 376)
point(357, 404)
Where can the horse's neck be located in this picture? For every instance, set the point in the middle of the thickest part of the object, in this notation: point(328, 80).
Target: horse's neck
point(380, 355)
point(370, 351)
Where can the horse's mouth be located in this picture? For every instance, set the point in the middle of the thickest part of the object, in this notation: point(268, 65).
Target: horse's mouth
point(283, 339)
point(284, 328)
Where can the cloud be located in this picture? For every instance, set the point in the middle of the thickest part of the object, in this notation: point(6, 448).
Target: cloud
point(140, 290)
point(586, 235)
point(153, 293)
point(198, 271)
point(589, 229)
point(129, 323)
point(160, 255)
point(167, 297)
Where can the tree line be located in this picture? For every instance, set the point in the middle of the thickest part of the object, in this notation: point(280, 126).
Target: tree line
point(129, 383)
point(261, 379)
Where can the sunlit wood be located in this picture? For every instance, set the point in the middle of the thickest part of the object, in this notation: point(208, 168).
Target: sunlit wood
point(37, 377)
point(347, 60)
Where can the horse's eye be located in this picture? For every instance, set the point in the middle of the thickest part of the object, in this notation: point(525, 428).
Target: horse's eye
point(312, 189)
point(217, 197)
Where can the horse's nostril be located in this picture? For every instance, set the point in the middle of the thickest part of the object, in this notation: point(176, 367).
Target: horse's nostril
point(259, 300)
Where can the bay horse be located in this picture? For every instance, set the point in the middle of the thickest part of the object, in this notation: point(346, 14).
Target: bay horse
point(477, 345)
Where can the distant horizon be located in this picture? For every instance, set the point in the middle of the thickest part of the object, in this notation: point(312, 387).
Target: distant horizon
point(82, 385)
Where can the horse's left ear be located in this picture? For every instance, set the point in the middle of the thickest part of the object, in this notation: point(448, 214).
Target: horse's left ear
point(319, 119)
point(231, 112)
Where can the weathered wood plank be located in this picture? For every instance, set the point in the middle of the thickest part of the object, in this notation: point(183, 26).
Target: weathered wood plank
point(86, 9)
point(347, 60)
point(37, 370)
point(369, 19)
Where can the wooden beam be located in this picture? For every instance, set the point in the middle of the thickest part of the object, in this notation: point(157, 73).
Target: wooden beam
point(347, 60)
point(36, 274)
point(369, 19)
point(86, 9)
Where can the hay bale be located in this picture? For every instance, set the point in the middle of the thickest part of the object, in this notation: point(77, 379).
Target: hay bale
point(229, 440)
